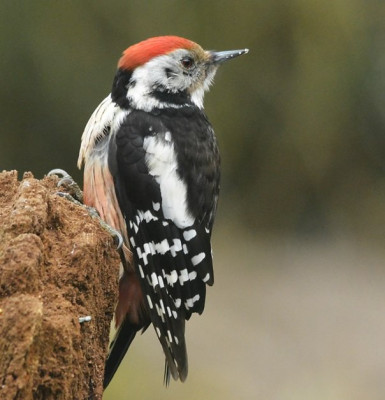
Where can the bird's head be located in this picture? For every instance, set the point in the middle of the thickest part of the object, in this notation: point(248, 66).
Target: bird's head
point(166, 71)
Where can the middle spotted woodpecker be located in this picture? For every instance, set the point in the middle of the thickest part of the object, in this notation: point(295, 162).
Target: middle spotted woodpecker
point(152, 169)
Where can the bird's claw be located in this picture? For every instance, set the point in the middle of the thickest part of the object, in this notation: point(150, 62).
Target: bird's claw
point(68, 182)
point(118, 238)
point(70, 198)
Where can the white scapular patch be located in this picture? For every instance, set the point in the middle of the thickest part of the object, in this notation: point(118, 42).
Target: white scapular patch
point(188, 235)
point(198, 258)
point(162, 165)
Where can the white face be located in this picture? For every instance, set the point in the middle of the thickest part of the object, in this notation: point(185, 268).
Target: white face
point(181, 70)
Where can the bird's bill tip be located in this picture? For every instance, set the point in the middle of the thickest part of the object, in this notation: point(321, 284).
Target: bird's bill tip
point(219, 57)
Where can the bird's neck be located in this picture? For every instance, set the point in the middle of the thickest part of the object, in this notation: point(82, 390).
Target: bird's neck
point(139, 94)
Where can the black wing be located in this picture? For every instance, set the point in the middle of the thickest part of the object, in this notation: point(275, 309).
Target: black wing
point(170, 241)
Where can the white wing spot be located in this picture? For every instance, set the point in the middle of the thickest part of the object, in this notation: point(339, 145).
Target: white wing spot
point(177, 244)
point(188, 235)
point(162, 305)
point(183, 277)
point(178, 302)
point(206, 278)
point(154, 279)
point(190, 302)
point(149, 217)
point(149, 302)
point(198, 258)
point(192, 275)
point(162, 247)
point(173, 277)
point(156, 206)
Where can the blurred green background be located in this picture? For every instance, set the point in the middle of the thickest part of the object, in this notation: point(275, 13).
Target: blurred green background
point(298, 308)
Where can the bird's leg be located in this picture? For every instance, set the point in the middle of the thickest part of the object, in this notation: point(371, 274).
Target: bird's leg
point(75, 195)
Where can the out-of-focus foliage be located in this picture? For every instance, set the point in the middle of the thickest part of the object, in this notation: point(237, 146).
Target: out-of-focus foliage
point(300, 120)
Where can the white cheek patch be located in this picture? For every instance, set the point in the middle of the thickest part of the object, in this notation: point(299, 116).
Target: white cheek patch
point(148, 76)
point(162, 164)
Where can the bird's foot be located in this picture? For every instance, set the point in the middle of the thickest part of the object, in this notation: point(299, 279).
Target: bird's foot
point(75, 195)
point(68, 183)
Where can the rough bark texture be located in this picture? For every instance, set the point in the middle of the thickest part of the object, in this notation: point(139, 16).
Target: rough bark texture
point(56, 265)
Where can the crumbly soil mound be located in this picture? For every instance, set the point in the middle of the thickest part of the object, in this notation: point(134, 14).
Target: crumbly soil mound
point(56, 264)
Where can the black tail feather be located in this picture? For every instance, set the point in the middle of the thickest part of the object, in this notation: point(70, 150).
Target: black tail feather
point(118, 348)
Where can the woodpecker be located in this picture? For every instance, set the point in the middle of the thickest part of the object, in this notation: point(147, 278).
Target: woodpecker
point(152, 170)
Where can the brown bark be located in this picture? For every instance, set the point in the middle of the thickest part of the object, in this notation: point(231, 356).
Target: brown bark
point(56, 265)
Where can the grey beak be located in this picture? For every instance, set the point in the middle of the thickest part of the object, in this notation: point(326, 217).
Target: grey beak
point(219, 57)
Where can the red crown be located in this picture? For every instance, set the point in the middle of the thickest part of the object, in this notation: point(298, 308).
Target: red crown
point(138, 54)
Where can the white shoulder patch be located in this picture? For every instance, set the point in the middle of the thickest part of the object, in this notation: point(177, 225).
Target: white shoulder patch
point(162, 164)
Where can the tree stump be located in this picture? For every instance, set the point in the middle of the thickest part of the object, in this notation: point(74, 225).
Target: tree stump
point(56, 264)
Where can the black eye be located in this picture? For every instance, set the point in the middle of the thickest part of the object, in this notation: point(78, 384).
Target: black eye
point(187, 62)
